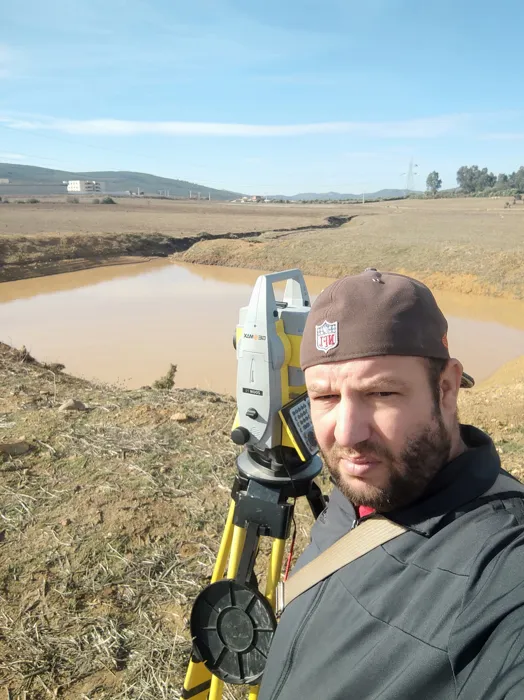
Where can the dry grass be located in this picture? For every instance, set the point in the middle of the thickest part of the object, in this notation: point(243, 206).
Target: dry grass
point(464, 245)
point(110, 526)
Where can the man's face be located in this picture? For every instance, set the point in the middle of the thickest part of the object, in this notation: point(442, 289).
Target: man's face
point(381, 435)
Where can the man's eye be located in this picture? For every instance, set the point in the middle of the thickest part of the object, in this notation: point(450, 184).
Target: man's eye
point(383, 394)
point(325, 397)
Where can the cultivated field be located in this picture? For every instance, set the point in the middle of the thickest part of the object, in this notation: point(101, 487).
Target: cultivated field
point(169, 217)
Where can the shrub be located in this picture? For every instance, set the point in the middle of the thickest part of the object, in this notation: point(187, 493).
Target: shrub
point(108, 200)
point(73, 200)
point(96, 200)
point(168, 380)
point(33, 200)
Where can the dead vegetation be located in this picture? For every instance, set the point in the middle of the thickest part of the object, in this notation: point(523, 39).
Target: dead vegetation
point(110, 525)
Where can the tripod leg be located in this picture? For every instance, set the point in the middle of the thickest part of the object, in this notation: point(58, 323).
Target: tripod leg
point(217, 686)
point(225, 546)
point(198, 678)
point(274, 569)
point(237, 545)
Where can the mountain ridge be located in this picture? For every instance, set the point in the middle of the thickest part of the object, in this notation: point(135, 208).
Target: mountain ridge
point(31, 179)
point(380, 194)
point(35, 180)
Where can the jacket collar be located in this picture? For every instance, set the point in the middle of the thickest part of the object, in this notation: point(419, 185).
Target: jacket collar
point(459, 482)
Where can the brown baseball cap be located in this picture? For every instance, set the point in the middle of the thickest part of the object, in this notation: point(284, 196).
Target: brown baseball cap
point(375, 313)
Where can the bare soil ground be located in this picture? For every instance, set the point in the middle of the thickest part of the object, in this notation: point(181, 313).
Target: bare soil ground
point(110, 525)
point(170, 217)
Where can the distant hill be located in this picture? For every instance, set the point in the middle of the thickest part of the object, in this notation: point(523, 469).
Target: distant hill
point(29, 179)
point(381, 194)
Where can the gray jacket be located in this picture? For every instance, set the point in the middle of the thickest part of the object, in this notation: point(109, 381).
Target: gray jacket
point(435, 614)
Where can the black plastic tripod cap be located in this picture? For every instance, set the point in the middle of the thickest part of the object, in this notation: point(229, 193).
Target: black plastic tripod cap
point(240, 435)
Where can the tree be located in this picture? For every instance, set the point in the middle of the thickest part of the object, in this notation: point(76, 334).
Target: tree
point(473, 179)
point(485, 180)
point(433, 182)
point(519, 179)
point(467, 178)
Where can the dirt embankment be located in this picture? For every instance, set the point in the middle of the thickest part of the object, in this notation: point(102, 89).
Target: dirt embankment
point(22, 257)
point(111, 520)
point(442, 251)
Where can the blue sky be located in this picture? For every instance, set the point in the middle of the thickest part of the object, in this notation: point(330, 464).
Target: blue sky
point(270, 97)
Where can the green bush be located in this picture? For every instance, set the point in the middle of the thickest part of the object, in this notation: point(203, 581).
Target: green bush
point(108, 200)
point(73, 200)
point(33, 200)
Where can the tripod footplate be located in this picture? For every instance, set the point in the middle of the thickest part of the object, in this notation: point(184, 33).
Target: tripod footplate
point(232, 626)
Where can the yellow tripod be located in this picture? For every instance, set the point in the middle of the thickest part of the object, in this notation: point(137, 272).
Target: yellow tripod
point(232, 623)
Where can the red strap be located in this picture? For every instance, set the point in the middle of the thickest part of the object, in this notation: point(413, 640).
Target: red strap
point(362, 511)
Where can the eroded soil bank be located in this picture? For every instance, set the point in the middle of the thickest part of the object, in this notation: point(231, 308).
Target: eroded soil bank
point(23, 257)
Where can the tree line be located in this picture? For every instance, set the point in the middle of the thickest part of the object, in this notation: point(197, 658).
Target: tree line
point(474, 180)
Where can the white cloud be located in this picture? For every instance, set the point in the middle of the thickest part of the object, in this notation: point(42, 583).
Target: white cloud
point(431, 127)
point(12, 156)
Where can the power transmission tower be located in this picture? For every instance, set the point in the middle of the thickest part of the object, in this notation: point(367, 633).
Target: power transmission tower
point(410, 177)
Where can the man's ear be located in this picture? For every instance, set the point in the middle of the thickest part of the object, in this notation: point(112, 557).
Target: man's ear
point(450, 385)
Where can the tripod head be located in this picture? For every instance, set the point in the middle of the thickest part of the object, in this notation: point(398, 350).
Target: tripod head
point(272, 404)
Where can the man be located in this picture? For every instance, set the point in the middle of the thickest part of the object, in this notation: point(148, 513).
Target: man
point(438, 612)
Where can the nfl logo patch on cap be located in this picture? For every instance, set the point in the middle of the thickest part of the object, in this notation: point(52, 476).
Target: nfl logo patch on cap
point(327, 336)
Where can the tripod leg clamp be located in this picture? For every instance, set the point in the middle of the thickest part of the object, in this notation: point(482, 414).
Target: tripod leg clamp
point(280, 602)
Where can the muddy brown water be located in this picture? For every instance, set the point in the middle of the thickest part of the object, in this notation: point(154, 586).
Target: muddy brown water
point(126, 324)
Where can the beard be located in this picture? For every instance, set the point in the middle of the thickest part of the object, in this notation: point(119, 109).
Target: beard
point(408, 474)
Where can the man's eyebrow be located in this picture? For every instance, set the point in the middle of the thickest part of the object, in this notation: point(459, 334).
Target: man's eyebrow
point(377, 383)
point(317, 388)
point(383, 383)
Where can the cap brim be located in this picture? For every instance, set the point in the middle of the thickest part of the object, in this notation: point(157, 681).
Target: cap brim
point(466, 381)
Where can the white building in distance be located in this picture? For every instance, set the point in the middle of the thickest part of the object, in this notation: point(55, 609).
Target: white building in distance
point(84, 186)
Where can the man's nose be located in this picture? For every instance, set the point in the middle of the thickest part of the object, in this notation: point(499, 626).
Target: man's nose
point(352, 423)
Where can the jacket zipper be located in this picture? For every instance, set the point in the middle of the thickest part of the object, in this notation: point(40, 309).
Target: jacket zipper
point(298, 638)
